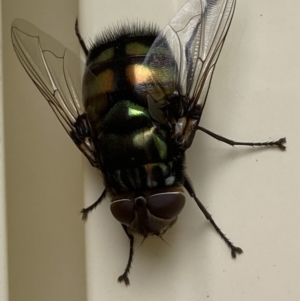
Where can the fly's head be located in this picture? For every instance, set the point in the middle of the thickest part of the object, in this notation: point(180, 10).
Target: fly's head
point(151, 213)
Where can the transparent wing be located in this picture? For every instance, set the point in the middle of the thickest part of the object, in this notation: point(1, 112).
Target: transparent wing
point(194, 38)
point(197, 34)
point(57, 73)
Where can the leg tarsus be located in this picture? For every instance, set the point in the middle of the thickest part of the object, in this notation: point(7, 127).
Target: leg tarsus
point(124, 276)
point(85, 211)
point(234, 250)
point(280, 142)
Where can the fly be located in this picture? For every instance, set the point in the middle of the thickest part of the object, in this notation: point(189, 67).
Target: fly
point(137, 108)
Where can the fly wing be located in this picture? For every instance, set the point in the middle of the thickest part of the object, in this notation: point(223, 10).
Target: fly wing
point(194, 39)
point(57, 73)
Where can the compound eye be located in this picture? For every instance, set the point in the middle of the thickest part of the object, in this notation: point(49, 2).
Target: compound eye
point(123, 211)
point(166, 205)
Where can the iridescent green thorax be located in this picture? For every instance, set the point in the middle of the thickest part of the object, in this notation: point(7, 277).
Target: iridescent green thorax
point(135, 154)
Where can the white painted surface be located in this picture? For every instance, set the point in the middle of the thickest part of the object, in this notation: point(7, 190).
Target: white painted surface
point(252, 194)
point(3, 228)
point(43, 172)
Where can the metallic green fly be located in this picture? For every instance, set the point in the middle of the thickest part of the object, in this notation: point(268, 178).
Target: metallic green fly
point(137, 108)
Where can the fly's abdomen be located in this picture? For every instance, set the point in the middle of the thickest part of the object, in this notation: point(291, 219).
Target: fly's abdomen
point(115, 72)
point(114, 69)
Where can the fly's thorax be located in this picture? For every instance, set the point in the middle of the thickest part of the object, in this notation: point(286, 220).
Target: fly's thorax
point(150, 213)
point(134, 153)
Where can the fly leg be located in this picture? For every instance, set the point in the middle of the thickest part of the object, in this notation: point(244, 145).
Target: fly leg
point(85, 211)
point(124, 276)
point(80, 39)
point(234, 250)
point(280, 143)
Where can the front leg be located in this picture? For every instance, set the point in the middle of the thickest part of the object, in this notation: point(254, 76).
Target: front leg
point(85, 211)
point(124, 276)
point(234, 249)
